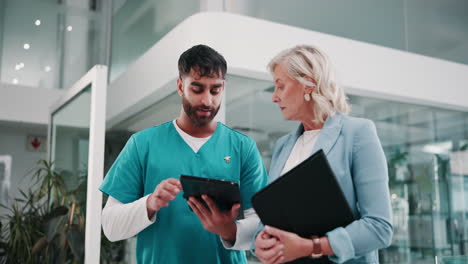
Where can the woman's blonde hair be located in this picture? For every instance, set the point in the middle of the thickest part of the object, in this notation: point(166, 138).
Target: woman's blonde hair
point(304, 61)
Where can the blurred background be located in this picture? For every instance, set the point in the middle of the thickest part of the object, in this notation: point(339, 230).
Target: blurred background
point(421, 116)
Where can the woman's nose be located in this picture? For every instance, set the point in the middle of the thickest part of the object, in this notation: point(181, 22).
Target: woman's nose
point(274, 97)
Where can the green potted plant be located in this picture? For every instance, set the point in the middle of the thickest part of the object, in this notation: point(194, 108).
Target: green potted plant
point(46, 224)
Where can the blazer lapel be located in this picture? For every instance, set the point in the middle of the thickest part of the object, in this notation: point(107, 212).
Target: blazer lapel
point(327, 138)
point(329, 134)
point(285, 151)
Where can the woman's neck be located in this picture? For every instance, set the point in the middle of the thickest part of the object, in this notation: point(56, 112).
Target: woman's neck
point(311, 125)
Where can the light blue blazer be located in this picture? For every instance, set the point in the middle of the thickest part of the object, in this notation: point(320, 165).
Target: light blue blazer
point(357, 159)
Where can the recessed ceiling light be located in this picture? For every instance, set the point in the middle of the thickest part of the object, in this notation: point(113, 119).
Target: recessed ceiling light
point(15, 81)
point(47, 68)
point(19, 66)
point(26, 46)
point(69, 28)
point(38, 22)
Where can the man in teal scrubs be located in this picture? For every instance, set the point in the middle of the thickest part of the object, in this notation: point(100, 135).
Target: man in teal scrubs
point(143, 183)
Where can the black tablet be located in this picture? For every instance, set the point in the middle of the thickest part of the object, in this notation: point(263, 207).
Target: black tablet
point(224, 193)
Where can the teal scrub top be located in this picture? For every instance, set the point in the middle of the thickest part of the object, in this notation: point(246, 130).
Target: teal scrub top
point(159, 153)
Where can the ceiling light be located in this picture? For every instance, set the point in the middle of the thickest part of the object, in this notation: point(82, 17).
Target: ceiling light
point(19, 66)
point(69, 28)
point(38, 22)
point(26, 46)
point(15, 81)
point(47, 68)
point(438, 148)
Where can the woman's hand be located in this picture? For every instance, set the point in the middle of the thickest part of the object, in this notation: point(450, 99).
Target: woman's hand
point(294, 246)
point(268, 249)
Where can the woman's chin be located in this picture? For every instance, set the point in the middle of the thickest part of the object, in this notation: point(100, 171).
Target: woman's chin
point(286, 117)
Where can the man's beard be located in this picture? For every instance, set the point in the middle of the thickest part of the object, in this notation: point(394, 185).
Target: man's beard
point(197, 120)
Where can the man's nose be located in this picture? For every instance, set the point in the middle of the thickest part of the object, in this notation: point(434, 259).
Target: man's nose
point(207, 99)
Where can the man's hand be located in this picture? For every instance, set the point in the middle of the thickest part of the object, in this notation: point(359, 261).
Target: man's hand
point(165, 192)
point(268, 249)
point(294, 246)
point(214, 220)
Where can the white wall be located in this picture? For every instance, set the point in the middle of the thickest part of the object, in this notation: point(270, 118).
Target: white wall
point(248, 44)
point(26, 104)
point(13, 143)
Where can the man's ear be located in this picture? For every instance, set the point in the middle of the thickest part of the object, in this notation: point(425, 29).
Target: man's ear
point(180, 86)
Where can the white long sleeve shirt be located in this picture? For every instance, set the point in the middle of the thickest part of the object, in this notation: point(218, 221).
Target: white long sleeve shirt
point(122, 221)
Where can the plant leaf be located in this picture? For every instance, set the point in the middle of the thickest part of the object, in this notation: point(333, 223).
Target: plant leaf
point(57, 211)
point(53, 226)
point(39, 245)
point(76, 242)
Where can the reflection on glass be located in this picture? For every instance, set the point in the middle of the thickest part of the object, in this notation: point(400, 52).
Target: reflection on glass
point(428, 199)
point(70, 144)
point(162, 111)
point(5, 162)
point(249, 110)
point(426, 149)
point(432, 28)
point(37, 50)
point(138, 25)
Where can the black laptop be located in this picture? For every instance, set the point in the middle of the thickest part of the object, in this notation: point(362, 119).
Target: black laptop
point(307, 201)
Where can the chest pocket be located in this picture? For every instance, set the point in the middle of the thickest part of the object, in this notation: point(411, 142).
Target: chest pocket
point(223, 166)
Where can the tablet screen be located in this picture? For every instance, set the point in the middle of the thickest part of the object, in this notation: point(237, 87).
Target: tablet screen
point(224, 193)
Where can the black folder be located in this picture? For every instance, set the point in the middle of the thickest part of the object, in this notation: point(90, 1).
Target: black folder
point(307, 201)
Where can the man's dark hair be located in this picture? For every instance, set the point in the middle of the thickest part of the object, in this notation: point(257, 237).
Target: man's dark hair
point(205, 61)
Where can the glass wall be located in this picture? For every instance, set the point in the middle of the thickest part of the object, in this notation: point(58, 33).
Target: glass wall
point(429, 27)
point(2, 22)
point(138, 25)
point(426, 150)
point(51, 44)
point(69, 150)
point(427, 184)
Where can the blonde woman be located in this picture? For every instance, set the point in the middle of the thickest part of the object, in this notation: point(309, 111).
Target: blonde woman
point(305, 90)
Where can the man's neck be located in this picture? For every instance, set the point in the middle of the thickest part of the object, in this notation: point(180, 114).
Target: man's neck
point(184, 123)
